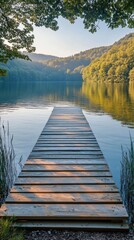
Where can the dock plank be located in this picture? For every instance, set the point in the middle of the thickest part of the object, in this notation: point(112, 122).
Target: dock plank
point(66, 156)
point(65, 180)
point(68, 224)
point(66, 152)
point(56, 173)
point(62, 211)
point(66, 144)
point(64, 148)
point(79, 188)
point(64, 198)
point(67, 167)
point(63, 161)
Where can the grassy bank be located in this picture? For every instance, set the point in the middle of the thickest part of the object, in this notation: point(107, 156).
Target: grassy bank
point(127, 180)
point(7, 162)
point(8, 232)
point(8, 174)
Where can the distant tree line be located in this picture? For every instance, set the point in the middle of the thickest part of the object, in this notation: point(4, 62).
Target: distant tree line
point(43, 67)
point(75, 63)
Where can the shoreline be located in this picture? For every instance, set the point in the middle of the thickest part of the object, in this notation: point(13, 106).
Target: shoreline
point(53, 234)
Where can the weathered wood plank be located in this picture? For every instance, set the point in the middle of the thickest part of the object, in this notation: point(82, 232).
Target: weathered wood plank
point(66, 143)
point(62, 211)
point(67, 132)
point(67, 109)
point(66, 124)
point(67, 116)
point(66, 152)
point(69, 142)
point(62, 161)
point(63, 198)
point(64, 148)
point(74, 123)
point(65, 180)
point(65, 174)
point(65, 156)
point(73, 114)
point(74, 188)
point(67, 137)
point(63, 167)
point(87, 225)
point(44, 144)
point(70, 115)
point(62, 128)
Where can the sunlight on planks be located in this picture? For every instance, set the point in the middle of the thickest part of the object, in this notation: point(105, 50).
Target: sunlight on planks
point(66, 182)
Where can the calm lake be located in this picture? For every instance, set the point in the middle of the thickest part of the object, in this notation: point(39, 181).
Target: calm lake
point(109, 109)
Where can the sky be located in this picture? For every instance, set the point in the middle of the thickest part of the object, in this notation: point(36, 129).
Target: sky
point(73, 38)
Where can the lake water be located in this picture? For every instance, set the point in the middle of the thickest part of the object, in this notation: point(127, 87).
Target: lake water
point(108, 108)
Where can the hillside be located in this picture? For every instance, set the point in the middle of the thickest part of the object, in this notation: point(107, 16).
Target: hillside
point(116, 65)
point(75, 63)
point(20, 70)
point(47, 67)
point(37, 57)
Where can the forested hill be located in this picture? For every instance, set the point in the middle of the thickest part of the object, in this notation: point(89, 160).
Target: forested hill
point(37, 57)
point(47, 67)
point(74, 64)
point(116, 65)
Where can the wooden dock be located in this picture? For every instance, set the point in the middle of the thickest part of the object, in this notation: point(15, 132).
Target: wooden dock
point(66, 182)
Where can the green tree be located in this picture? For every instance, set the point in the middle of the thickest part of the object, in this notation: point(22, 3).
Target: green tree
point(19, 16)
point(131, 74)
point(115, 65)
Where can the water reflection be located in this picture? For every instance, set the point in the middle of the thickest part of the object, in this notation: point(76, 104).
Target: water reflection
point(116, 100)
point(39, 93)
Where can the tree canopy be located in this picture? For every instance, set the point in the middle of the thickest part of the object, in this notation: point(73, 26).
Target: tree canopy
point(19, 16)
point(116, 65)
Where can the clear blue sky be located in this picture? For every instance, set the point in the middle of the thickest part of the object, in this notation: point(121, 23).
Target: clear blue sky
point(73, 38)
